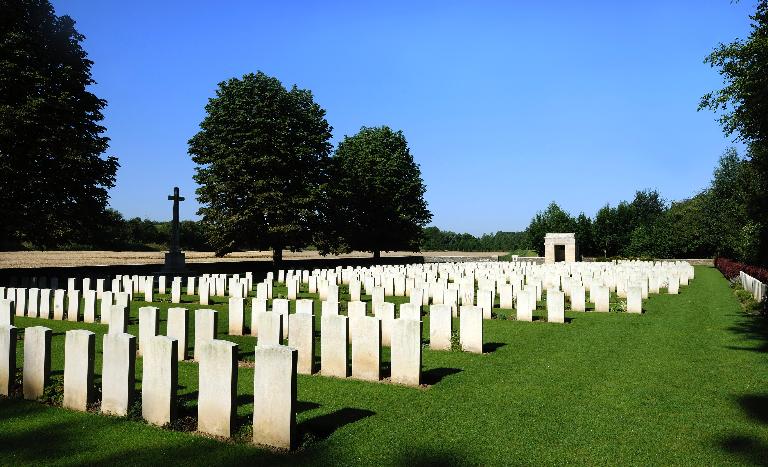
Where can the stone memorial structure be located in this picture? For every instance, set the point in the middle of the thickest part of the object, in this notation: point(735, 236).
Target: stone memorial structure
point(560, 247)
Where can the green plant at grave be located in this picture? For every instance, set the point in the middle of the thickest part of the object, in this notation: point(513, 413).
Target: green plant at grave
point(619, 306)
point(455, 341)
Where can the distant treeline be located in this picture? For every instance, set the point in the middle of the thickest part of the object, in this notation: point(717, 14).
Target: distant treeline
point(441, 240)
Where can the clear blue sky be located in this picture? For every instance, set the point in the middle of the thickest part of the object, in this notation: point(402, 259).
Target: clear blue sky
point(506, 105)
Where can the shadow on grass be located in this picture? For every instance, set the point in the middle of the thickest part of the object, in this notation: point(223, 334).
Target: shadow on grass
point(435, 375)
point(750, 449)
point(423, 457)
point(323, 426)
point(756, 407)
point(490, 347)
point(754, 328)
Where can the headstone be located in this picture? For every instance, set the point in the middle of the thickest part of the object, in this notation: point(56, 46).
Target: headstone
point(366, 347)
point(73, 305)
point(190, 286)
point(602, 298)
point(106, 306)
point(217, 387)
point(118, 373)
point(304, 305)
point(159, 381)
point(79, 355)
point(236, 316)
point(578, 298)
point(149, 325)
point(471, 329)
point(410, 311)
point(274, 396)
point(406, 352)
point(302, 339)
point(385, 311)
point(89, 306)
point(485, 302)
point(673, 285)
point(8, 337)
point(280, 306)
point(259, 305)
point(21, 301)
point(176, 291)
point(204, 292)
point(33, 306)
point(45, 303)
point(440, 327)
point(37, 361)
point(334, 331)
point(269, 325)
point(6, 312)
point(177, 328)
point(555, 306)
point(505, 296)
point(634, 299)
point(149, 284)
point(118, 319)
point(206, 322)
point(329, 308)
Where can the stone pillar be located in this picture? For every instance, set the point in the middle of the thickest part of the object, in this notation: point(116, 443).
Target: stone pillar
point(177, 327)
point(89, 306)
point(440, 327)
point(634, 299)
point(302, 339)
point(73, 305)
point(118, 319)
point(149, 325)
point(217, 386)
point(578, 298)
point(406, 352)
point(7, 315)
point(471, 329)
point(274, 396)
point(206, 323)
point(549, 252)
point(269, 325)
point(385, 311)
point(79, 355)
point(118, 373)
point(236, 315)
point(106, 306)
point(555, 306)
point(37, 361)
point(366, 347)
point(334, 331)
point(159, 380)
point(8, 337)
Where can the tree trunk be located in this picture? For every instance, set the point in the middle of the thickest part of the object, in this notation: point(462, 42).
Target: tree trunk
point(377, 254)
point(277, 256)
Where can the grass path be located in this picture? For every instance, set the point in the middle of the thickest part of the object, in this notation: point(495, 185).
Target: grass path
point(685, 383)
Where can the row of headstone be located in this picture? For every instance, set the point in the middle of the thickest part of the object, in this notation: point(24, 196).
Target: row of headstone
point(758, 289)
point(274, 400)
point(59, 304)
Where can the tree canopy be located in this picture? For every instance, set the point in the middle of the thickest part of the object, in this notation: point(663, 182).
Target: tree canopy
point(742, 105)
point(53, 178)
point(378, 192)
point(262, 153)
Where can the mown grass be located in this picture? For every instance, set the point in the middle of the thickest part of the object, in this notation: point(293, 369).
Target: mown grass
point(684, 383)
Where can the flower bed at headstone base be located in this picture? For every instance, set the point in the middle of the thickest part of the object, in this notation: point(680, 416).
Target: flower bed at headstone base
point(731, 268)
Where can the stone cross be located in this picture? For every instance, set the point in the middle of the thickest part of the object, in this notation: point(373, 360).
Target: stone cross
point(175, 225)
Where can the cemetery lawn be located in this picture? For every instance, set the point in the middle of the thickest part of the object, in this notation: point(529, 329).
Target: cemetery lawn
point(684, 383)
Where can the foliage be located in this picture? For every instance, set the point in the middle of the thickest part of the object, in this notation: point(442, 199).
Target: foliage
point(742, 105)
point(552, 219)
point(731, 269)
point(377, 192)
point(262, 154)
point(442, 240)
point(53, 179)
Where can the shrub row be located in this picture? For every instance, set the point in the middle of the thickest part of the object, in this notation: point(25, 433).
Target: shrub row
point(731, 268)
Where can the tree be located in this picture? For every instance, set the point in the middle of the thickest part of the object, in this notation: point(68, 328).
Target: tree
point(742, 106)
point(53, 180)
point(378, 192)
point(552, 219)
point(262, 153)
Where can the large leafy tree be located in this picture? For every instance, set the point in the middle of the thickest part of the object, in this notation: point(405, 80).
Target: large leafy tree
point(378, 192)
point(262, 153)
point(742, 106)
point(53, 178)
